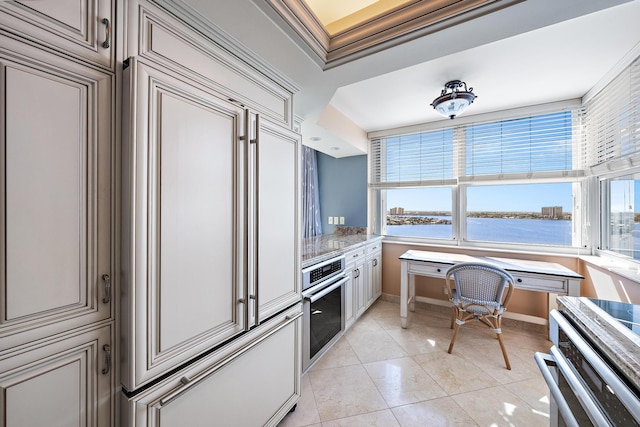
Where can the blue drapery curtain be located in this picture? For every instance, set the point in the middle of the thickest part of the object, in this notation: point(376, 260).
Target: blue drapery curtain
point(311, 220)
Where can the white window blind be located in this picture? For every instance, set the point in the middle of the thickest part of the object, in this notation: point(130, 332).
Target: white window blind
point(528, 144)
point(612, 122)
point(413, 160)
point(541, 146)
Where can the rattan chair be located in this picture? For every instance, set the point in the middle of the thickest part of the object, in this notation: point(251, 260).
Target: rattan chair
point(477, 292)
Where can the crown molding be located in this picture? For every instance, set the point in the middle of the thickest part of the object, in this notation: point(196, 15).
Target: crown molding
point(399, 25)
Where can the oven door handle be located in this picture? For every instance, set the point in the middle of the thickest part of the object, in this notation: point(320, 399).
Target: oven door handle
point(545, 361)
point(578, 388)
point(314, 297)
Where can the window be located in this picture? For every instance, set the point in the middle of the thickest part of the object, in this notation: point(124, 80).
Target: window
point(419, 212)
point(620, 226)
point(501, 182)
point(520, 213)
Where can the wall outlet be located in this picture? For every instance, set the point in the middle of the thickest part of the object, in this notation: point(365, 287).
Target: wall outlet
point(330, 220)
point(444, 290)
point(336, 220)
point(341, 220)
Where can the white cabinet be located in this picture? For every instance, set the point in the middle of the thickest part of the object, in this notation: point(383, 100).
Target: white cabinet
point(363, 268)
point(374, 272)
point(209, 223)
point(65, 382)
point(183, 222)
point(354, 288)
point(81, 28)
point(252, 383)
point(56, 202)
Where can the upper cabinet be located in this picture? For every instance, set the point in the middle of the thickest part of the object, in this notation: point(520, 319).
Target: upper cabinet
point(155, 34)
point(55, 209)
point(81, 28)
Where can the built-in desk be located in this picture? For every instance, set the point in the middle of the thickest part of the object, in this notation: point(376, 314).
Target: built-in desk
point(531, 275)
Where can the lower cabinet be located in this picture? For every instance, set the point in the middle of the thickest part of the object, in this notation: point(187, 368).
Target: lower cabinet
point(66, 382)
point(363, 267)
point(255, 383)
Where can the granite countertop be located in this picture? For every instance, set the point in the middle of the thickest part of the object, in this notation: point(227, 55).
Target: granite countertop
point(618, 342)
point(318, 248)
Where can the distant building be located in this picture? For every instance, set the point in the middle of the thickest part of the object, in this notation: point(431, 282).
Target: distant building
point(552, 212)
point(397, 211)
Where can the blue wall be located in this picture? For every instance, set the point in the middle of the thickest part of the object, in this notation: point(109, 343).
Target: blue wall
point(343, 190)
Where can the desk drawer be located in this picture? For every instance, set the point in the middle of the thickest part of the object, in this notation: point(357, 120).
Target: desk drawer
point(550, 284)
point(431, 270)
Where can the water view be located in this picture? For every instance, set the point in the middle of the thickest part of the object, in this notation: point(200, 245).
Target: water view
point(541, 231)
point(515, 230)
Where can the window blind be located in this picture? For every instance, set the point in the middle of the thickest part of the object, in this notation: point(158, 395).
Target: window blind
point(528, 144)
point(612, 122)
point(540, 146)
point(413, 160)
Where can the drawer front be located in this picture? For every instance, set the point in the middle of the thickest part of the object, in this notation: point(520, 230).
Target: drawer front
point(550, 284)
point(354, 256)
point(431, 270)
point(373, 248)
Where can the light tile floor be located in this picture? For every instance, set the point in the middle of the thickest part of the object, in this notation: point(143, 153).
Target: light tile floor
point(379, 374)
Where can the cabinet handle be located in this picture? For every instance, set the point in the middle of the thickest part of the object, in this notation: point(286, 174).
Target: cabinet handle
point(107, 359)
point(107, 33)
point(375, 262)
point(107, 288)
point(519, 280)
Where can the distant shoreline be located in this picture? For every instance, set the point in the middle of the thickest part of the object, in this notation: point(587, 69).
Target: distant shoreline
point(426, 217)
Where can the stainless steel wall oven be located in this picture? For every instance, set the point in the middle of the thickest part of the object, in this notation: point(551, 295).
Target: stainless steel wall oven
point(323, 309)
point(586, 388)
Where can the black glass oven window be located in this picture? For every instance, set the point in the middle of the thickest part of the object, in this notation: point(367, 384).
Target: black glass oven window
point(325, 320)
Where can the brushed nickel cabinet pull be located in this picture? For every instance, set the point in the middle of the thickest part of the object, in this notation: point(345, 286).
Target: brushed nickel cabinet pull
point(107, 288)
point(107, 359)
point(107, 33)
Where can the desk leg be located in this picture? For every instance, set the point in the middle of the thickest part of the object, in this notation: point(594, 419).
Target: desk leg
point(574, 288)
point(412, 292)
point(404, 292)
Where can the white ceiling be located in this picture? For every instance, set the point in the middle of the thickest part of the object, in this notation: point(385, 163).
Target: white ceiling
point(535, 52)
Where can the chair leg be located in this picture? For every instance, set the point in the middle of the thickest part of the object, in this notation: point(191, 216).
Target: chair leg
point(504, 351)
point(498, 322)
point(453, 317)
point(453, 338)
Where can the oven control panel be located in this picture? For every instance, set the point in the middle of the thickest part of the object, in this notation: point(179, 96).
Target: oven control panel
point(318, 272)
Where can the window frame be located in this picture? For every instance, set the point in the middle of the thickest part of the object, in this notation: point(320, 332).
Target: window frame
point(461, 182)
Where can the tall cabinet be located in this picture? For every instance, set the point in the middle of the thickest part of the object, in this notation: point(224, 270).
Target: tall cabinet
point(57, 223)
point(211, 299)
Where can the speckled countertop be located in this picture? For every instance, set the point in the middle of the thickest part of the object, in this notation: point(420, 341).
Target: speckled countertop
point(318, 248)
point(618, 342)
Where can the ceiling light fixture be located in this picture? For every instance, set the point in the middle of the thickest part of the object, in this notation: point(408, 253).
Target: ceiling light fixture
point(452, 100)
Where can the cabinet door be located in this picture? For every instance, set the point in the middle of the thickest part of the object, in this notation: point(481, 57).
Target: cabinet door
point(374, 278)
point(82, 28)
point(255, 386)
point(55, 208)
point(183, 228)
point(63, 383)
point(277, 152)
point(349, 306)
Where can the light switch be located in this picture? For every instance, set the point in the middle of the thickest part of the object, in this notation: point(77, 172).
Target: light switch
point(335, 220)
point(330, 220)
point(341, 220)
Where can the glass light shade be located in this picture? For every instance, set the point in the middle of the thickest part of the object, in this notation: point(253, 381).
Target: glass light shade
point(452, 107)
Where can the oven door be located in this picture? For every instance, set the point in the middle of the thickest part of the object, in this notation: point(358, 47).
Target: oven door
point(323, 318)
point(585, 389)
